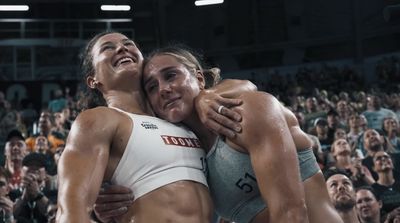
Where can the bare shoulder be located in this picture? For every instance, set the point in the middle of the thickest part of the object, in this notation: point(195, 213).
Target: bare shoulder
point(96, 124)
point(258, 102)
point(96, 116)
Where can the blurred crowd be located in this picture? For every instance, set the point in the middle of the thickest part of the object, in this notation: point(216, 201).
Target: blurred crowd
point(354, 125)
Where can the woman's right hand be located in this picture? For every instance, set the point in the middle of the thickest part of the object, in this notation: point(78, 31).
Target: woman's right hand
point(112, 201)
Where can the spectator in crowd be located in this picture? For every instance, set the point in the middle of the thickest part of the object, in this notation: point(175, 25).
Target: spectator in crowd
point(393, 216)
point(340, 133)
point(373, 142)
point(312, 112)
point(15, 151)
point(68, 118)
point(51, 212)
point(388, 184)
point(343, 111)
point(321, 129)
point(363, 122)
point(6, 204)
point(8, 121)
point(375, 113)
point(28, 115)
point(355, 130)
point(333, 123)
point(368, 205)
point(390, 128)
point(59, 125)
point(46, 123)
point(42, 145)
point(58, 103)
point(342, 194)
point(32, 205)
point(346, 160)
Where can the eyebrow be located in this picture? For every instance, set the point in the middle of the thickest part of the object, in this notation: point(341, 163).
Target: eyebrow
point(161, 71)
point(123, 40)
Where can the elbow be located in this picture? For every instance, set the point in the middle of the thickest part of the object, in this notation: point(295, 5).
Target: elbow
point(250, 85)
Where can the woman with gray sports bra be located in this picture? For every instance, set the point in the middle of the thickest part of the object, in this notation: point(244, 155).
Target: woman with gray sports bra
point(253, 173)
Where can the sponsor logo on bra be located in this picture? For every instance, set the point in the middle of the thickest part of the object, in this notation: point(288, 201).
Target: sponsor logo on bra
point(148, 125)
point(181, 141)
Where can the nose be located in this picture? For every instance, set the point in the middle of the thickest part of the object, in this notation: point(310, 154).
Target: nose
point(165, 88)
point(15, 148)
point(121, 47)
point(341, 187)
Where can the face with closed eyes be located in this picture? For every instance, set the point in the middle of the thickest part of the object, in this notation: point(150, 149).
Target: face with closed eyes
point(171, 87)
point(116, 61)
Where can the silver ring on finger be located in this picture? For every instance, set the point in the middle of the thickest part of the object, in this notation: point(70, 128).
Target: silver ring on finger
point(219, 110)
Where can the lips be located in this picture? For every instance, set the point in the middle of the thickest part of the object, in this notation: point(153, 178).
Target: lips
point(169, 102)
point(124, 59)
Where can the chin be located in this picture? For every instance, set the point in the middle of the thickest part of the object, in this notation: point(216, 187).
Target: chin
point(173, 119)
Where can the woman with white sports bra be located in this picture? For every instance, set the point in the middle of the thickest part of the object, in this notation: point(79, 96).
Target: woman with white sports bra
point(122, 142)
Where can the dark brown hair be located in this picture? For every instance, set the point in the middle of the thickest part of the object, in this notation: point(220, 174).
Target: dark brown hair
point(91, 98)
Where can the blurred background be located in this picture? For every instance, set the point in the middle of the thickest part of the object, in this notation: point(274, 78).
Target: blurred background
point(335, 64)
point(252, 39)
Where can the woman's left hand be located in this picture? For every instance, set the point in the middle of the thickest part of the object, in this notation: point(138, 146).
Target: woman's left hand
point(216, 114)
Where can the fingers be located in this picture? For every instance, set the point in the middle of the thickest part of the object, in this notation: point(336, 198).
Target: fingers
point(115, 189)
point(220, 129)
point(226, 111)
point(106, 211)
point(230, 102)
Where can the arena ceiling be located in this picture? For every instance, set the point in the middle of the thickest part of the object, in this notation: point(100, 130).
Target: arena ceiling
point(236, 34)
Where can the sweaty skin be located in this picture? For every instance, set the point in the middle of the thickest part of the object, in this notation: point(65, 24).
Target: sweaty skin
point(171, 89)
point(98, 139)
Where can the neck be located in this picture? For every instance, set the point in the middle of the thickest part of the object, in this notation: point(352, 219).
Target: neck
point(376, 219)
point(355, 130)
point(386, 178)
point(343, 162)
point(349, 216)
point(371, 153)
point(392, 134)
point(133, 102)
point(206, 137)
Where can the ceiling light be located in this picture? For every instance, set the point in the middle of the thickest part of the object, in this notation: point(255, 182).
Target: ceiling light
point(208, 2)
point(14, 8)
point(115, 7)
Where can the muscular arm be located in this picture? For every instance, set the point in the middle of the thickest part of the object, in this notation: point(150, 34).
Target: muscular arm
point(232, 88)
point(83, 163)
point(266, 137)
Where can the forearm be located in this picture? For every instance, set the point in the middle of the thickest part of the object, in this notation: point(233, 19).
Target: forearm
point(19, 205)
point(231, 88)
point(73, 215)
point(42, 204)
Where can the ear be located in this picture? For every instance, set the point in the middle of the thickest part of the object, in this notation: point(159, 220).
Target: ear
point(91, 82)
point(200, 78)
point(380, 204)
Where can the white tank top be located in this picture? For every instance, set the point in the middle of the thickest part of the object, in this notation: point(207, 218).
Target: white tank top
point(158, 153)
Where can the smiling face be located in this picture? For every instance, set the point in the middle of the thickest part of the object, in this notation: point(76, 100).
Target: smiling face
point(171, 87)
point(115, 60)
point(367, 205)
point(15, 149)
